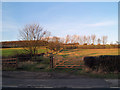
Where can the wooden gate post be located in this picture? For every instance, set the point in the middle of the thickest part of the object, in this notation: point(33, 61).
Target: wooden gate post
point(51, 61)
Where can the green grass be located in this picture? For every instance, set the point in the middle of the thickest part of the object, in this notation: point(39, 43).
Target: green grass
point(98, 75)
point(88, 52)
point(65, 53)
point(43, 65)
point(74, 54)
point(35, 67)
point(8, 52)
point(80, 71)
point(107, 76)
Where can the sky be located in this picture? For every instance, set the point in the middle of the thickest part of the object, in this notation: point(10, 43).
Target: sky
point(61, 18)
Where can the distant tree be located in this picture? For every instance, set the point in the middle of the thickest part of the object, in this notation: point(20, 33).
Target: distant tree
point(84, 39)
point(47, 36)
point(98, 41)
point(85, 44)
point(80, 39)
point(88, 40)
point(104, 39)
point(111, 43)
point(67, 39)
point(62, 40)
point(47, 39)
point(118, 42)
point(93, 38)
point(55, 44)
point(72, 39)
point(32, 36)
point(75, 38)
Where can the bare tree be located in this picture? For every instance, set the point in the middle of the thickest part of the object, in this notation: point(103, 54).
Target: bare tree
point(104, 39)
point(55, 44)
point(117, 42)
point(56, 39)
point(111, 43)
point(72, 39)
point(93, 38)
point(98, 41)
point(47, 39)
point(67, 39)
point(80, 40)
point(47, 36)
point(88, 40)
point(62, 40)
point(76, 38)
point(32, 35)
point(84, 39)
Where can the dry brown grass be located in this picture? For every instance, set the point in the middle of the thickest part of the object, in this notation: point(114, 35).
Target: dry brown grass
point(89, 52)
point(76, 55)
point(10, 48)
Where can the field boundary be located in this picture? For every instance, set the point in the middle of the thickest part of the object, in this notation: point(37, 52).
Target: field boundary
point(57, 63)
point(9, 62)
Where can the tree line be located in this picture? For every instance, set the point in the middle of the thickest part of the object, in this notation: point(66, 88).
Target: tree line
point(81, 40)
point(32, 36)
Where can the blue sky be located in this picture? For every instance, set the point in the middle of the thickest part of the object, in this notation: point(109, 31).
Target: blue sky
point(61, 18)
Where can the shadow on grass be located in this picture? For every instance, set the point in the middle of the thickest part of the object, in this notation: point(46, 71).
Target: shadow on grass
point(64, 55)
point(80, 71)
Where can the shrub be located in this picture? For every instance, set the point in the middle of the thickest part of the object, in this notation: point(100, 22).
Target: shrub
point(106, 63)
point(85, 43)
point(85, 46)
point(24, 57)
point(109, 63)
point(91, 62)
point(28, 57)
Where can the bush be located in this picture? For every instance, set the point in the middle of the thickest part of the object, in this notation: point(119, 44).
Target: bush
point(28, 57)
point(23, 57)
point(85, 46)
point(91, 62)
point(109, 63)
point(106, 63)
point(85, 43)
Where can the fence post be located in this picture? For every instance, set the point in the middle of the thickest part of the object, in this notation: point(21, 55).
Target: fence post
point(17, 62)
point(51, 61)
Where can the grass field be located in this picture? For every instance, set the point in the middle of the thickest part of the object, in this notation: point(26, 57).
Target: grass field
point(77, 53)
point(13, 51)
point(71, 54)
point(87, 52)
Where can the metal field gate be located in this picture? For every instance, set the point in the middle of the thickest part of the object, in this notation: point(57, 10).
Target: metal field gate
point(60, 62)
point(9, 62)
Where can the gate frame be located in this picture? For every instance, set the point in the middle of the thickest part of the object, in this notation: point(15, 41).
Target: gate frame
point(65, 66)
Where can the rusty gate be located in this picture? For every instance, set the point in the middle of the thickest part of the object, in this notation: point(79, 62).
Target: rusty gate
point(9, 62)
point(60, 62)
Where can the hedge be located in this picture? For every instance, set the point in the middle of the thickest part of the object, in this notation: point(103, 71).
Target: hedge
point(27, 57)
point(90, 46)
point(107, 63)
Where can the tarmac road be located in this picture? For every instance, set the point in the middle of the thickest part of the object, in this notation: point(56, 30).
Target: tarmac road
point(56, 83)
point(53, 80)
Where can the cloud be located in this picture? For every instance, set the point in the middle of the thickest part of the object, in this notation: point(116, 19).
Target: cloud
point(99, 24)
point(71, 28)
point(78, 25)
